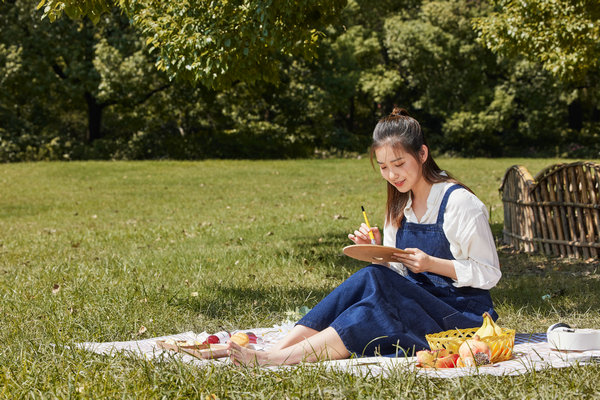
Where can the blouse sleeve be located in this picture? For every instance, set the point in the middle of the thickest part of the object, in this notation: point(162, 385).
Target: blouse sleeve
point(471, 241)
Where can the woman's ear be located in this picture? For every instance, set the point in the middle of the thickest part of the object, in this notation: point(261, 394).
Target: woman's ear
point(423, 153)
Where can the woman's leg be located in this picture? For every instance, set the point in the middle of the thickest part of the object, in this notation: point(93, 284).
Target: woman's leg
point(324, 345)
point(296, 335)
point(353, 290)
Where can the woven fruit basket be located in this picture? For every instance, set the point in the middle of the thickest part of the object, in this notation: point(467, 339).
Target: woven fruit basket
point(501, 345)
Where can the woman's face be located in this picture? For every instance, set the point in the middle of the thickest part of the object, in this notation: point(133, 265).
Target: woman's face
point(399, 167)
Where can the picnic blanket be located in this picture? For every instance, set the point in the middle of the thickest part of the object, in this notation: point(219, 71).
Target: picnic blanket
point(531, 353)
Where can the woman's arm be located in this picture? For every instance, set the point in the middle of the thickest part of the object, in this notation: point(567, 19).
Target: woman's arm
point(471, 242)
point(418, 261)
point(467, 228)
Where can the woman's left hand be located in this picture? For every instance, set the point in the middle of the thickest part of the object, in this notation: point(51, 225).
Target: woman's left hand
point(416, 260)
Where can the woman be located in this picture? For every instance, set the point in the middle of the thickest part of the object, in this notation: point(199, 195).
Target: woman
point(441, 282)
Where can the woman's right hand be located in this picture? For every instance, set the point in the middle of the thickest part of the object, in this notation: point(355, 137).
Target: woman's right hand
point(361, 236)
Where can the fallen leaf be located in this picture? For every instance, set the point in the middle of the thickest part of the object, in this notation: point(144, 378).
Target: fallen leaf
point(55, 288)
point(142, 330)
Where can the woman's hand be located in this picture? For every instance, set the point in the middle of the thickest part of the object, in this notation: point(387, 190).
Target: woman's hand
point(361, 236)
point(416, 260)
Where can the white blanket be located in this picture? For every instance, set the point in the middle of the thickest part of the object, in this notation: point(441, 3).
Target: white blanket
point(531, 353)
point(147, 348)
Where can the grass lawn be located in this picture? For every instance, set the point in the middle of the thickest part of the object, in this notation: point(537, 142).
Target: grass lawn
point(93, 251)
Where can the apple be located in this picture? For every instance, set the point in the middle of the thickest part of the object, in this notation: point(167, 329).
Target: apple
point(212, 339)
point(447, 362)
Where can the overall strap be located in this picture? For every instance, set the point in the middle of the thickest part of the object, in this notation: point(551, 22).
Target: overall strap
point(442, 210)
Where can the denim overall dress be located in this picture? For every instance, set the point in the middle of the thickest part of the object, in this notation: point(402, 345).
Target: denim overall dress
point(378, 311)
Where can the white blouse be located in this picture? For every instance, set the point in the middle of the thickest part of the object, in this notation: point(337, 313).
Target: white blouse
point(467, 229)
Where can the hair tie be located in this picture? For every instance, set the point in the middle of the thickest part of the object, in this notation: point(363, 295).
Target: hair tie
point(399, 112)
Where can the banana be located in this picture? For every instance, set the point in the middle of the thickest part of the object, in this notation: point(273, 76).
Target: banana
point(497, 329)
point(488, 328)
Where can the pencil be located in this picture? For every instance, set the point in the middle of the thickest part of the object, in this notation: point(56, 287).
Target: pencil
point(368, 226)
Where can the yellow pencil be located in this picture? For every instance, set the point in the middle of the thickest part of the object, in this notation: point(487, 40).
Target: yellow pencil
point(368, 226)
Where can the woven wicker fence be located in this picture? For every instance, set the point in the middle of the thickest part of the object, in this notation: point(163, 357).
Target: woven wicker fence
point(557, 212)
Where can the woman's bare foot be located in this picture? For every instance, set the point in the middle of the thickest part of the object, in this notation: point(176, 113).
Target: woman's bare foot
point(325, 345)
point(244, 356)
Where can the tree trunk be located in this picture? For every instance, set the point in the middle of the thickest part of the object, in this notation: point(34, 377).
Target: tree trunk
point(94, 118)
point(350, 116)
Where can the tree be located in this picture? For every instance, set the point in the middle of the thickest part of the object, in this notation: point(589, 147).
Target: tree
point(443, 69)
point(217, 43)
point(563, 35)
point(57, 79)
point(96, 67)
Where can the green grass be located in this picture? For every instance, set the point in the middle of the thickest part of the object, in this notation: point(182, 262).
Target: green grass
point(92, 251)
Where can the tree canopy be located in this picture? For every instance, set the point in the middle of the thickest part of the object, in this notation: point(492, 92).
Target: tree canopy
point(220, 42)
point(213, 42)
point(74, 89)
point(563, 35)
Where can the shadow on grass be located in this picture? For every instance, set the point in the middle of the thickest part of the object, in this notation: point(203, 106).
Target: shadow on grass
point(226, 300)
point(534, 282)
point(497, 230)
point(319, 259)
point(531, 283)
point(326, 250)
